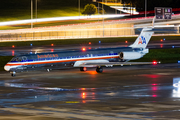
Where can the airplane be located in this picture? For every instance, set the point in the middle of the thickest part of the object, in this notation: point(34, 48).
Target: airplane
point(98, 58)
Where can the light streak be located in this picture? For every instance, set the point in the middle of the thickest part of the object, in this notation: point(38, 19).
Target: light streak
point(58, 19)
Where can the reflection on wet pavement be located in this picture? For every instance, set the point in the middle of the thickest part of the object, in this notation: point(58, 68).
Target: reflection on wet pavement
point(118, 93)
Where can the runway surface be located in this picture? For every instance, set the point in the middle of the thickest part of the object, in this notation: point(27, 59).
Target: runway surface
point(9, 51)
point(120, 93)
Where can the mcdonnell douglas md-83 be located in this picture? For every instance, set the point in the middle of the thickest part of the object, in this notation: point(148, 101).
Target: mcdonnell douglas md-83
point(89, 58)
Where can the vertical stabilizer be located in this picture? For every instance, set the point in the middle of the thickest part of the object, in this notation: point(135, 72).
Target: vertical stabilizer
point(143, 39)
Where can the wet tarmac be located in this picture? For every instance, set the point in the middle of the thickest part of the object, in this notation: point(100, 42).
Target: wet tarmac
point(12, 51)
point(143, 92)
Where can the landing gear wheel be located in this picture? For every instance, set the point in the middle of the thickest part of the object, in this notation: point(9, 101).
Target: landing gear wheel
point(82, 68)
point(13, 74)
point(99, 69)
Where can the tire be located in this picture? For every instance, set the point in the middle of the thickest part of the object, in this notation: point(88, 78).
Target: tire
point(99, 69)
point(13, 75)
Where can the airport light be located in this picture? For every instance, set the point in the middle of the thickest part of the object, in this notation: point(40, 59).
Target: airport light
point(31, 14)
point(83, 49)
point(36, 10)
point(116, 9)
point(103, 17)
point(79, 7)
point(145, 8)
point(154, 63)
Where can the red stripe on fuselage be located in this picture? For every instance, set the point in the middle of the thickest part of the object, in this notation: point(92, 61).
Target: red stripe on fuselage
point(69, 60)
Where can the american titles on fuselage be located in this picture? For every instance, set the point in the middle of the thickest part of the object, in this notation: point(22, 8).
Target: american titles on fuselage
point(47, 56)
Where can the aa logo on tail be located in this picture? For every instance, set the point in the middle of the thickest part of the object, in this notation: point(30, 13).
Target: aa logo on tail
point(142, 40)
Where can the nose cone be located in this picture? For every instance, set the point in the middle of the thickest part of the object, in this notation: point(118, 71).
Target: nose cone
point(6, 67)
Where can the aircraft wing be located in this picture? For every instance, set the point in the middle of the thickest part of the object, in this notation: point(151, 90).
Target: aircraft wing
point(109, 64)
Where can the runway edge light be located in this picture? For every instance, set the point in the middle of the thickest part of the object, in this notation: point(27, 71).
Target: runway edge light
point(83, 49)
point(154, 62)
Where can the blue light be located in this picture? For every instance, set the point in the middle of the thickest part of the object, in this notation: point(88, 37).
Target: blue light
point(172, 46)
point(178, 61)
point(99, 41)
point(164, 39)
point(31, 44)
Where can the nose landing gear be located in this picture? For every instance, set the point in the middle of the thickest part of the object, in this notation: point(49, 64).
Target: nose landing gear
point(13, 74)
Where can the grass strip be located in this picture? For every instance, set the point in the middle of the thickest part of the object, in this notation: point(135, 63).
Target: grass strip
point(163, 55)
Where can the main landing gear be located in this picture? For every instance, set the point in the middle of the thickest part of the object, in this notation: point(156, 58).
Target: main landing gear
point(83, 68)
point(13, 74)
point(99, 69)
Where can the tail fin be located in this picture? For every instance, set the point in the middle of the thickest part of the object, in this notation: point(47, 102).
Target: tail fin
point(143, 39)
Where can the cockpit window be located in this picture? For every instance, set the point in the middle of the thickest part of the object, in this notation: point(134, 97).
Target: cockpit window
point(17, 59)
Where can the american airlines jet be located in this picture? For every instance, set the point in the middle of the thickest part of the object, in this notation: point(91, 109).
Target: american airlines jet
point(98, 58)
